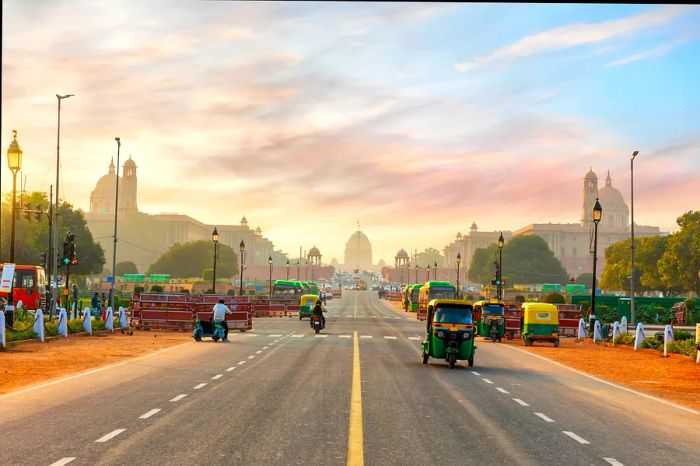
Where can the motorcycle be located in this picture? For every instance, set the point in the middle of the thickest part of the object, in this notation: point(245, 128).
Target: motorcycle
point(316, 324)
point(207, 328)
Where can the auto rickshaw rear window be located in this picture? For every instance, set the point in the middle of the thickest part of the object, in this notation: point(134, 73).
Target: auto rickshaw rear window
point(442, 293)
point(453, 315)
point(493, 309)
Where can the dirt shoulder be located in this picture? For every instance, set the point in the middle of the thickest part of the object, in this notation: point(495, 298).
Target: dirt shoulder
point(675, 378)
point(27, 363)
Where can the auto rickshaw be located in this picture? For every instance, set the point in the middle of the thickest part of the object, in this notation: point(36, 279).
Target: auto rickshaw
point(413, 294)
point(490, 320)
point(406, 297)
point(449, 333)
point(540, 323)
point(306, 305)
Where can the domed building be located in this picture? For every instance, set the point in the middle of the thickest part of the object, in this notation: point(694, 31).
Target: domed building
point(102, 197)
point(358, 252)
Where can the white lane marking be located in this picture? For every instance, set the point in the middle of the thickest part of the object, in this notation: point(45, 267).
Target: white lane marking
point(321, 336)
point(360, 316)
point(251, 334)
point(486, 380)
point(179, 397)
point(613, 461)
point(399, 318)
point(544, 416)
point(109, 436)
point(241, 362)
point(275, 336)
point(414, 338)
point(272, 344)
point(597, 379)
point(149, 414)
point(217, 376)
point(389, 338)
point(386, 317)
point(344, 336)
point(366, 336)
point(502, 390)
point(348, 315)
point(230, 368)
point(520, 402)
point(251, 357)
point(475, 373)
point(90, 372)
point(576, 437)
point(260, 351)
point(297, 336)
point(265, 347)
point(63, 461)
point(197, 387)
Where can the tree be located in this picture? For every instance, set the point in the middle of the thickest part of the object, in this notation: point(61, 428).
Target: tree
point(680, 263)
point(429, 257)
point(125, 267)
point(526, 259)
point(617, 266)
point(186, 260)
point(554, 298)
point(586, 279)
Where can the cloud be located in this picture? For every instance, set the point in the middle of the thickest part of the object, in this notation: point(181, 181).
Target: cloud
point(573, 35)
point(654, 52)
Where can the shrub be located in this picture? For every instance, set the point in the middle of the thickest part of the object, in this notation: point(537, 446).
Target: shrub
point(585, 306)
point(156, 289)
point(231, 292)
point(139, 289)
point(520, 298)
point(554, 298)
point(683, 335)
point(207, 274)
point(651, 342)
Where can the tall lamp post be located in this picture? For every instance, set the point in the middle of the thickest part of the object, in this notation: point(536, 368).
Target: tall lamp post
point(597, 215)
point(435, 271)
point(215, 240)
point(114, 246)
point(297, 270)
point(501, 242)
point(632, 310)
point(241, 248)
point(427, 275)
point(269, 261)
point(287, 269)
point(14, 162)
point(459, 259)
point(416, 273)
point(56, 213)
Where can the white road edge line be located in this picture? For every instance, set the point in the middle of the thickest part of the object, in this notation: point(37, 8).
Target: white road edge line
point(149, 414)
point(544, 417)
point(520, 402)
point(580, 440)
point(109, 436)
point(63, 461)
point(597, 379)
point(217, 376)
point(613, 461)
point(486, 380)
point(502, 390)
point(197, 387)
point(179, 397)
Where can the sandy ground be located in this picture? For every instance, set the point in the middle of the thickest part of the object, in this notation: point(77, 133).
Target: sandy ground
point(676, 378)
point(27, 363)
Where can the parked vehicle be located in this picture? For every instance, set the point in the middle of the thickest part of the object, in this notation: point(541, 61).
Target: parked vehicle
point(540, 323)
point(449, 332)
point(29, 286)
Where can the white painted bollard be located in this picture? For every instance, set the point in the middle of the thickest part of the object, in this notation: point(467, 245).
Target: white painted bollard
point(122, 317)
point(109, 319)
point(87, 321)
point(639, 336)
point(623, 324)
point(581, 329)
point(63, 323)
point(668, 337)
point(596, 332)
point(3, 343)
point(616, 331)
point(39, 324)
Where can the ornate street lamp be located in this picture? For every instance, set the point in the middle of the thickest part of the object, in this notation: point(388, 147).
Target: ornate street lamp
point(416, 273)
point(241, 248)
point(14, 162)
point(215, 240)
point(297, 270)
point(287, 269)
point(269, 261)
point(459, 259)
point(597, 215)
point(501, 242)
point(114, 245)
point(435, 271)
point(427, 275)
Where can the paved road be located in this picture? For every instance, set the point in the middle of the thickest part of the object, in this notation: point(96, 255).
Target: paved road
point(282, 395)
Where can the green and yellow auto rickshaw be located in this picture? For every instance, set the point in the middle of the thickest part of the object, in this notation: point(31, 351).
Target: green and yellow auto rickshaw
point(406, 297)
point(449, 333)
point(490, 319)
point(414, 293)
point(540, 323)
point(306, 305)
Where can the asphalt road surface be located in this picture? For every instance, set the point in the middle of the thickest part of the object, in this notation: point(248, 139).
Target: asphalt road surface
point(358, 393)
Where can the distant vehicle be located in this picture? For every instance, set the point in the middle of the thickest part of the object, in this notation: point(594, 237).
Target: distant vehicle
point(29, 286)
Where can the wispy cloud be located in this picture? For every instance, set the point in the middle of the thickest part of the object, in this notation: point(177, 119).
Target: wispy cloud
point(573, 35)
point(654, 52)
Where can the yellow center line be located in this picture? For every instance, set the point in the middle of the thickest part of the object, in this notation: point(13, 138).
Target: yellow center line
point(356, 454)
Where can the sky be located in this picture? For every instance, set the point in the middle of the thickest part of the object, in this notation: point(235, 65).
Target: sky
point(413, 118)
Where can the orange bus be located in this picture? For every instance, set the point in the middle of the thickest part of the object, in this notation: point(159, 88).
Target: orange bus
point(29, 286)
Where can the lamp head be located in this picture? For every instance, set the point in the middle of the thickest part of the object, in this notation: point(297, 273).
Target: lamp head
point(119, 141)
point(215, 236)
point(501, 241)
point(459, 257)
point(241, 246)
point(634, 154)
point(14, 154)
point(269, 260)
point(597, 211)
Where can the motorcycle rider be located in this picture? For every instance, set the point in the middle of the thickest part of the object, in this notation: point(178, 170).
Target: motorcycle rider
point(219, 312)
point(318, 311)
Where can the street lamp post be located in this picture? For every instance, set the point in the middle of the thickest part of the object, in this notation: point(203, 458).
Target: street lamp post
point(597, 215)
point(459, 259)
point(269, 261)
point(501, 242)
point(241, 248)
point(427, 275)
point(287, 269)
point(114, 246)
point(297, 270)
point(215, 240)
point(416, 273)
point(14, 162)
point(632, 310)
point(435, 271)
point(56, 213)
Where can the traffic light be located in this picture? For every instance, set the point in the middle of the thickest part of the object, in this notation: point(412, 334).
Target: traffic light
point(44, 258)
point(66, 253)
point(73, 257)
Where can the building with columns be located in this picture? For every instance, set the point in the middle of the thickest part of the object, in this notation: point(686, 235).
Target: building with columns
point(465, 245)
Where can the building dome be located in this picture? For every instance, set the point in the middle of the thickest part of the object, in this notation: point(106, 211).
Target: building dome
point(358, 252)
point(459, 235)
point(244, 221)
point(473, 227)
point(611, 197)
point(402, 254)
point(314, 252)
point(258, 231)
point(590, 175)
point(130, 163)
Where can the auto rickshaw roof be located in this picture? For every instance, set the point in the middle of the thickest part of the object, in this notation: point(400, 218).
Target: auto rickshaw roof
point(438, 283)
point(452, 302)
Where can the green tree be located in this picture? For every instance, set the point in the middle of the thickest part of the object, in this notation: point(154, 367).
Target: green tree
point(553, 298)
point(526, 259)
point(680, 263)
point(586, 279)
point(125, 267)
point(186, 260)
point(430, 256)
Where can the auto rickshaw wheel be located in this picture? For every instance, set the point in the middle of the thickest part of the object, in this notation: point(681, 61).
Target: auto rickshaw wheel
point(527, 341)
point(556, 343)
point(452, 359)
point(470, 361)
point(425, 358)
point(299, 316)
